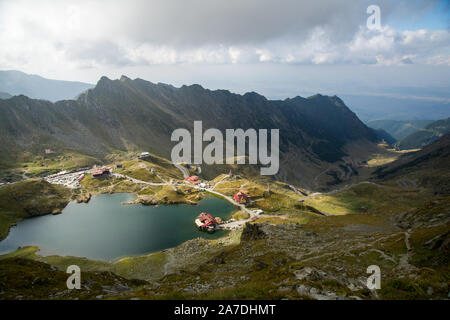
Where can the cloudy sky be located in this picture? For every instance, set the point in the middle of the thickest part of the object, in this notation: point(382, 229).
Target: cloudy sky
point(279, 48)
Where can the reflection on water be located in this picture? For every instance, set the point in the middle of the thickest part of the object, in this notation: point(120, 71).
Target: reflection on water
point(105, 229)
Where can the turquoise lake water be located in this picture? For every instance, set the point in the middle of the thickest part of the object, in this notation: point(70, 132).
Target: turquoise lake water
point(104, 229)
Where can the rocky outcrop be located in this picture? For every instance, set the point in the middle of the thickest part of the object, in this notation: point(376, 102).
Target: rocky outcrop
point(252, 232)
point(84, 198)
point(149, 200)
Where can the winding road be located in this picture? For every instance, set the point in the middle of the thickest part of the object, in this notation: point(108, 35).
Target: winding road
point(183, 170)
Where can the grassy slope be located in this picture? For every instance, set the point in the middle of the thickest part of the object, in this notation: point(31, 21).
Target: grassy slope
point(427, 135)
point(51, 163)
point(266, 268)
point(369, 198)
point(39, 165)
point(37, 280)
point(338, 248)
point(29, 198)
point(281, 202)
point(369, 229)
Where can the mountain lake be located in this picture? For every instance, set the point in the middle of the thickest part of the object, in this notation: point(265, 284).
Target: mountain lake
point(106, 229)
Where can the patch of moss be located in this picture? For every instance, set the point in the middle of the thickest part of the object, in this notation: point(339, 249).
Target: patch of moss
point(240, 215)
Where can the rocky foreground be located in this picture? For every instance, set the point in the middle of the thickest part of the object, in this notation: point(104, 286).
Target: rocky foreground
point(291, 252)
point(325, 259)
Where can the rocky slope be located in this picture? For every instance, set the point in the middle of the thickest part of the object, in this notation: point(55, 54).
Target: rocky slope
point(290, 252)
point(130, 114)
point(399, 129)
point(426, 135)
point(429, 167)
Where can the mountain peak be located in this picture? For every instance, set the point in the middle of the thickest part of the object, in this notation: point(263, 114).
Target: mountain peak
point(104, 79)
point(254, 96)
point(105, 83)
point(194, 86)
point(316, 96)
point(124, 78)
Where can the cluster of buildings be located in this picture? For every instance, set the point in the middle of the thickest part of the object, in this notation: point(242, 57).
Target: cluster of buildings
point(193, 179)
point(67, 179)
point(196, 181)
point(72, 179)
point(206, 222)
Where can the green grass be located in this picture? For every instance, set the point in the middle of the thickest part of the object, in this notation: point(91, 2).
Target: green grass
point(29, 198)
point(52, 163)
point(368, 198)
point(361, 233)
point(29, 279)
point(240, 215)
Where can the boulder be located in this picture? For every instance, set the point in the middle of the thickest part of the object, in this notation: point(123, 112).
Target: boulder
point(252, 231)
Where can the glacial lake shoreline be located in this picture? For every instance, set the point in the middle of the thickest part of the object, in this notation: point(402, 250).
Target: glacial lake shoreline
point(105, 229)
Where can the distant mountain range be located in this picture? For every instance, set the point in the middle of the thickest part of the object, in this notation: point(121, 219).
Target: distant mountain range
point(426, 135)
point(428, 167)
point(136, 114)
point(33, 86)
point(399, 129)
point(5, 95)
point(413, 134)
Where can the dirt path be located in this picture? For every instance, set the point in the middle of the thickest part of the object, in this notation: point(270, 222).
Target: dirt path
point(404, 258)
point(137, 181)
point(220, 181)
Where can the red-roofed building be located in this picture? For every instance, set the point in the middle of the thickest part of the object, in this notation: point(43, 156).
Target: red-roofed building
point(193, 179)
point(241, 197)
point(101, 172)
point(206, 222)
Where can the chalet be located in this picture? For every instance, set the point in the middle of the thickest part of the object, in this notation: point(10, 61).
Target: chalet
point(47, 151)
point(101, 173)
point(193, 179)
point(206, 222)
point(241, 197)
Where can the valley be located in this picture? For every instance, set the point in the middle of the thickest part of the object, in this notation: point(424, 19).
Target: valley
point(342, 200)
point(307, 244)
point(219, 159)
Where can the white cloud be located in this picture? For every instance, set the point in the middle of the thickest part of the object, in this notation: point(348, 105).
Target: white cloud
point(68, 35)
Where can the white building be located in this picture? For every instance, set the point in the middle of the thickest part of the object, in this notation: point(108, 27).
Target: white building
point(144, 155)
